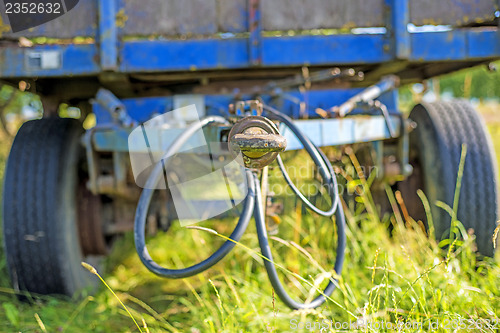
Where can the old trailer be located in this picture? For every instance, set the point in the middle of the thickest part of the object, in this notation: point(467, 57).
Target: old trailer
point(328, 71)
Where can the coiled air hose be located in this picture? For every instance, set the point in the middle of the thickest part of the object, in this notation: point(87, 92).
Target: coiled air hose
point(320, 160)
point(145, 201)
point(328, 175)
point(253, 203)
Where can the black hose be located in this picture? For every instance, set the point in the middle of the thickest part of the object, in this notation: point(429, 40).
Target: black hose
point(145, 201)
point(271, 269)
point(253, 204)
point(328, 175)
point(324, 166)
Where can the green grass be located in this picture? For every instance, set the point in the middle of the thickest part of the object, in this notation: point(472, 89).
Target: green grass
point(403, 277)
point(495, 135)
point(492, 118)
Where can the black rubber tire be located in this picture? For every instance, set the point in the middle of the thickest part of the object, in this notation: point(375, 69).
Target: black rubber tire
point(435, 150)
point(39, 209)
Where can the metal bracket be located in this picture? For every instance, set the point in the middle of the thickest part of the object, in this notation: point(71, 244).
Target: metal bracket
point(115, 184)
point(368, 95)
point(255, 29)
point(242, 108)
point(398, 28)
point(108, 39)
point(114, 106)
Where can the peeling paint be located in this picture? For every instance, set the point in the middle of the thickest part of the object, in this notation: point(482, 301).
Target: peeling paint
point(121, 18)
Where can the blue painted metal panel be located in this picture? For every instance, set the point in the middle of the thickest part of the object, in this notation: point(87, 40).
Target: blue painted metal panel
point(438, 46)
point(147, 56)
point(74, 60)
point(484, 43)
point(150, 56)
point(324, 50)
point(233, 53)
point(139, 109)
point(455, 45)
point(307, 50)
point(108, 35)
point(143, 109)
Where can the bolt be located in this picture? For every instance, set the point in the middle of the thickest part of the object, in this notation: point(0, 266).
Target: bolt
point(410, 125)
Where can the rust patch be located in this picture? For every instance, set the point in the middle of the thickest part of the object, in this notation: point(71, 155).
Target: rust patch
point(121, 18)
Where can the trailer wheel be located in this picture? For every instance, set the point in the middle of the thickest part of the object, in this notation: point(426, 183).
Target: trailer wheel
point(435, 150)
point(40, 226)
